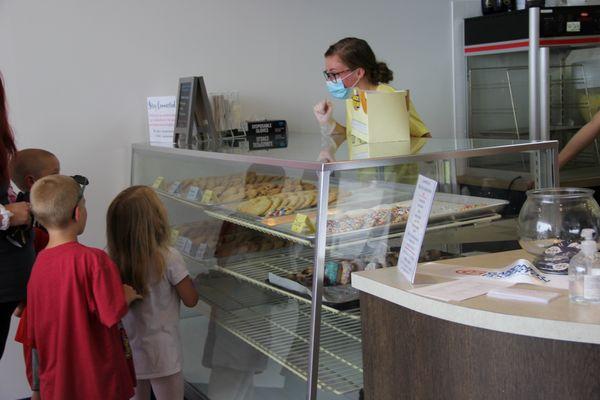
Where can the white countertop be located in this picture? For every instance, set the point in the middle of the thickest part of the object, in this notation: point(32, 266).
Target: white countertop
point(560, 319)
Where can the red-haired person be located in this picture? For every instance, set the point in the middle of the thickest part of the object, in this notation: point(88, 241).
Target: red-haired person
point(16, 245)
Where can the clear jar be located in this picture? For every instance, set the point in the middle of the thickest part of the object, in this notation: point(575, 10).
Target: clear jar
point(550, 224)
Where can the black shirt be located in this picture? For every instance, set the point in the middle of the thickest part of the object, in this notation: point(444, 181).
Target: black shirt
point(15, 262)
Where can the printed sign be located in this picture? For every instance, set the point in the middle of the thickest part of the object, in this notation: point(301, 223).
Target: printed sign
point(158, 181)
point(193, 193)
point(415, 228)
point(208, 197)
point(161, 118)
point(302, 224)
point(174, 188)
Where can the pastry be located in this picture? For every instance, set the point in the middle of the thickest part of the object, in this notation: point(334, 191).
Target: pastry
point(250, 177)
point(305, 277)
point(373, 266)
point(307, 201)
point(251, 193)
point(256, 206)
point(233, 198)
point(346, 272)
point(332, 269)
point(277, 200)
point(307, 185)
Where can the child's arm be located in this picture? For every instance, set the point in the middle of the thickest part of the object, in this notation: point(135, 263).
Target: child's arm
point(186, 290)
point(130, 294)
point(19, 310)
point(580, 141)
point(35, 377)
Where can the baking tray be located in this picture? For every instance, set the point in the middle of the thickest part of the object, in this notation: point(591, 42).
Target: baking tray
point(351, 302)
point(282, 226)
point(442, 211)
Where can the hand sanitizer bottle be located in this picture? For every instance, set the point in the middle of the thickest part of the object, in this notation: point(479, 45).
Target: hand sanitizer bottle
point(584, 271)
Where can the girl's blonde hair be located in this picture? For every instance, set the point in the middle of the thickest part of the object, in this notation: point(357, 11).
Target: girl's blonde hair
point(137, 230)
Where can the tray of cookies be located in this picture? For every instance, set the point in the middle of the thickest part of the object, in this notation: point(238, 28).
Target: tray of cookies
point(348, 221)
point(234, 188)
point(337, 291)
point(206, 240)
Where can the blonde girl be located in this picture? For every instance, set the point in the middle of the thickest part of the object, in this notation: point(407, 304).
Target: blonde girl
point(138, 237)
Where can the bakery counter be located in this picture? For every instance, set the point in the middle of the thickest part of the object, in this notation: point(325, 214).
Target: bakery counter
point(478, 348)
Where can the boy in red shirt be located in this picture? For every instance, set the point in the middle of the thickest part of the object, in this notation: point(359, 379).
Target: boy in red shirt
point(75, 301)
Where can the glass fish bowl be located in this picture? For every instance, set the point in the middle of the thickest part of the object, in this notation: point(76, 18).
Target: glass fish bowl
point(550, 224)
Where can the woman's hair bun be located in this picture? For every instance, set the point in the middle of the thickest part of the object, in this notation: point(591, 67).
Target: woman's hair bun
point(384, 74)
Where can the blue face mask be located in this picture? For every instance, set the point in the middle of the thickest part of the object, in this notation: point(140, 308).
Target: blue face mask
point(338, 90)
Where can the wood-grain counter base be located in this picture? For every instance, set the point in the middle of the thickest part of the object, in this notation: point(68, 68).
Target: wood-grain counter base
point(408, 355)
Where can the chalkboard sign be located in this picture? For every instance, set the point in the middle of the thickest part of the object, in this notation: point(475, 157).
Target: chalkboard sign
point(183, 105)
point(194, 126)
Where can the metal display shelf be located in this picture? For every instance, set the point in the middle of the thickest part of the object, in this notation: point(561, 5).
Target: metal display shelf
point(180, 199)
point(265, 321)
point(256, 271)
point(349, 240)
point(246, 223)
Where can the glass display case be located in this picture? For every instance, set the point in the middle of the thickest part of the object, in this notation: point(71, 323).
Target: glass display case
point(498, 104)
point(271, 238)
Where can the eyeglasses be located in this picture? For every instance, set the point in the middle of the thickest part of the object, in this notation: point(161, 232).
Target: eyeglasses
point(82, 181)
point(334, 76)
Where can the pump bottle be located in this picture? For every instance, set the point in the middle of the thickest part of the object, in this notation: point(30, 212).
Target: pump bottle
point(584, 271)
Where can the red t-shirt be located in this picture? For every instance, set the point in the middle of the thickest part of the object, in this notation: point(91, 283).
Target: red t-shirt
point(75, 302)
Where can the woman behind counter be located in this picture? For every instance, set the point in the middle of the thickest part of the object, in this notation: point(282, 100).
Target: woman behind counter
point(350, 63)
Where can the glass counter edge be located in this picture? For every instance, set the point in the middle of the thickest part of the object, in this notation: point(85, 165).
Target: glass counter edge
point(349, 164)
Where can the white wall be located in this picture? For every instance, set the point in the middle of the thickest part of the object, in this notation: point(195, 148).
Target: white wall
point(78, 72)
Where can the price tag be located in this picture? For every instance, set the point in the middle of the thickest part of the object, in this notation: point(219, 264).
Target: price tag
point(174, 235)
point(200, 251)
point(208, 197)
point(158, 181)
point(302, 224)
point(174, 188)
point(193, 193)
point(184, 244)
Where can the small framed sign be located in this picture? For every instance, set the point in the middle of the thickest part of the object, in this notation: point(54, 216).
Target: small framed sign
point(194, 125)
point(267, 135)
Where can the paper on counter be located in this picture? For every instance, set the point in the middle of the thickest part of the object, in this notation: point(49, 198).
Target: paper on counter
point(460, 289)
point(521, 271)
point(529, 295)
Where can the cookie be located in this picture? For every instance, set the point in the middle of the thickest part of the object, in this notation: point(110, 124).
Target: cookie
point(308, 200)
point(251, 193)
point(333, 195)
point(250, 177)
point(256, 206)
point(233, 197)
point(276, 202)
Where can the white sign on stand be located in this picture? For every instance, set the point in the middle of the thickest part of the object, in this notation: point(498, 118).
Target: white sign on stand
point(414, 233)
point(161, 118)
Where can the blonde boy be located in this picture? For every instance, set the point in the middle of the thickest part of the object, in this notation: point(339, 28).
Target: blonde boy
point(75, 301)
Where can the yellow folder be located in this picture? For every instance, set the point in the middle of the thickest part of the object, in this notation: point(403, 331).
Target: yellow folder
point(380, 116)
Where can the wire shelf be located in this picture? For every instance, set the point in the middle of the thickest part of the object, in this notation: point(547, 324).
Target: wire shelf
point(256, 271)
point(279, 327)
point(259, 227)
